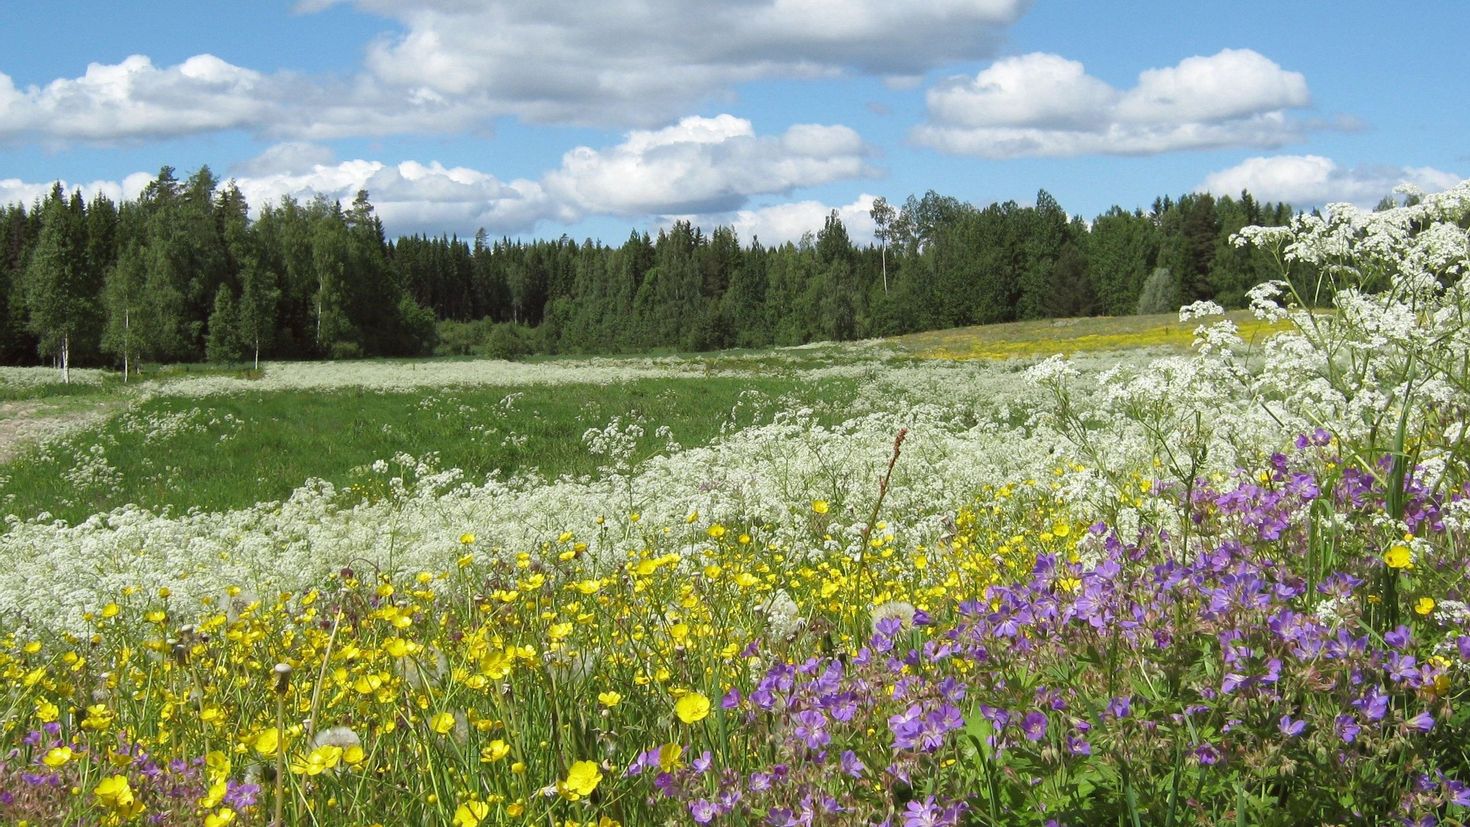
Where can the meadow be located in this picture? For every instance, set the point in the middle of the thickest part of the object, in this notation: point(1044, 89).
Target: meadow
point(1200, 569)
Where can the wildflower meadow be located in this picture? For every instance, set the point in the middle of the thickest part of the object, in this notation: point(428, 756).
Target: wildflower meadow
point(871, 584)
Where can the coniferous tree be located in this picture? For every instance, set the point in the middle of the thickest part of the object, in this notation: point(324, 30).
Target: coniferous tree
point(56, 299)
point(156, 276)
point(168, 329)
point(17, 345)
point(222, 343)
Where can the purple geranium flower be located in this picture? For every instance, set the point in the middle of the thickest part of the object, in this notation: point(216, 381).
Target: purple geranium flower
point(1120, 707)
point(1423, 722)
point(1207, 754)
point(1291, 727)
point(702, 811)
point(1033, 726)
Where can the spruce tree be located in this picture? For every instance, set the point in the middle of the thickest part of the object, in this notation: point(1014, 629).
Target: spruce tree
point(55, 280)
point(222, 343)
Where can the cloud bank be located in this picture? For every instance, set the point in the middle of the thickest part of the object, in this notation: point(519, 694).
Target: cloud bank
point(1046, 105)
point(456, 65)
point(1312, 180)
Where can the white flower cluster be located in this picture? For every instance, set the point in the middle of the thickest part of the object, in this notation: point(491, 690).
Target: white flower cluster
point(12, 378)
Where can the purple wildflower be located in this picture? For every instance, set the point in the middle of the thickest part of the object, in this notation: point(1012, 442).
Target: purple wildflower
point(1291, 727)
point(1398, 638)
point(702, 811)
point(1206, 754)
point(1373, 705)
point(1033, 726)
point(1120, 707)
point(928, 813)
point(1423, 722)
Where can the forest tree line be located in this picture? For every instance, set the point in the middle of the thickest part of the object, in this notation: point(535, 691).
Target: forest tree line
point(183, 273)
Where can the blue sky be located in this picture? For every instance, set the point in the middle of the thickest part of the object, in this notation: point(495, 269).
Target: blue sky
point(542, 117)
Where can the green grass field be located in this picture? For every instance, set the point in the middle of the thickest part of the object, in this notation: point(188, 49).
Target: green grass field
point(221, 452)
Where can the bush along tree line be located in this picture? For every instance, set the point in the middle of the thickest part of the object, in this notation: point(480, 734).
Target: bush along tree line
point(184, 273)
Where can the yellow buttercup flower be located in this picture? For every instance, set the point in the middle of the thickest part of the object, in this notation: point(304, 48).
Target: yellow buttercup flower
point(692, 708)
point(57, 757)
point(442, 723)
point(470, 813)
point(582, 779)
point(216, 794)
point(467, 538)
point(609, 699)
point(1424, 606)
point(318, 761)
point(819, 506)
point(268, 741)
point(495, 751)
point(221, 818)
point(115, 794)
point(1399, 556)
point(47, 711)
point(668, 757)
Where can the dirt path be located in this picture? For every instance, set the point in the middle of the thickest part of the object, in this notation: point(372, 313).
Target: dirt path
point(26, 422)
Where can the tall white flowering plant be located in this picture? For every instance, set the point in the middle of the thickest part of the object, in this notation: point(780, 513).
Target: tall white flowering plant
point(1372, 353)
point(1385, 371)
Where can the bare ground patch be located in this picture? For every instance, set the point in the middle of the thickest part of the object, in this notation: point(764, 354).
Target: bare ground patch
point(24, 423)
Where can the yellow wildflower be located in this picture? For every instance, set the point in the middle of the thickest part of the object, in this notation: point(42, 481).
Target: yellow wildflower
point(115, 794)
point(1399, 556)
point(692, 708)
point(582, 779)
point(470, 813)
point(268, 741)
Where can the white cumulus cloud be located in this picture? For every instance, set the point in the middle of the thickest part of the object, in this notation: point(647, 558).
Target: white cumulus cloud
point(1312, 180)
point(134, 99)
point(779, 223)
point(635, 62)
point(704, 165)
point(410, 197)
point(1046, 105)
